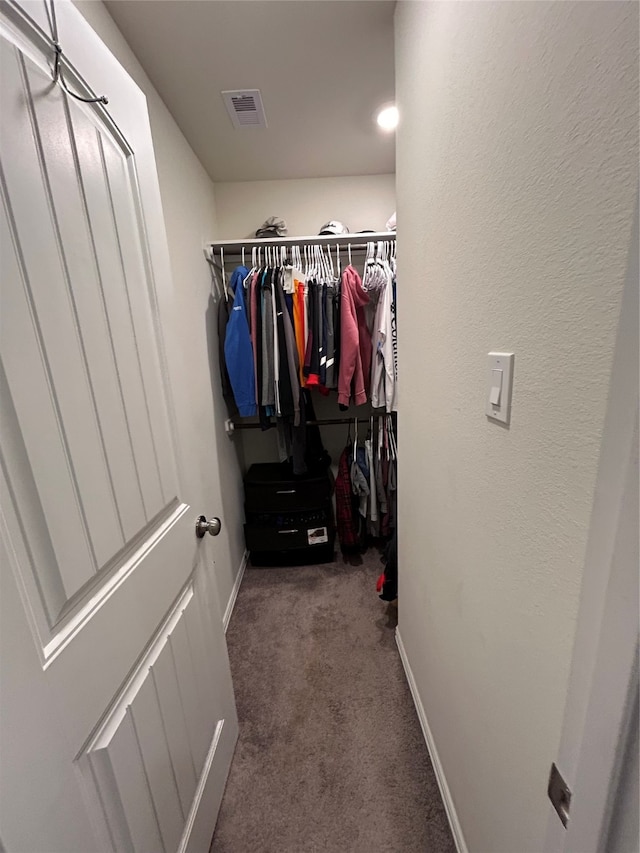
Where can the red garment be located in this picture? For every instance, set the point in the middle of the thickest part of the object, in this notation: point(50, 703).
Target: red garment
point(355, 341)
point(298, 322)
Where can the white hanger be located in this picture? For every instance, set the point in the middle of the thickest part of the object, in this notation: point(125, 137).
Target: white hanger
point(224, 278)
point(330, 262)
point(392, 438)
point(243, 264)
point(349, 249)
point(325, 265)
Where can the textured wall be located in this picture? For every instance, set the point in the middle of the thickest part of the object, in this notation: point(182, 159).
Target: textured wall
point(361, 202)
point(190, 219)
point(516, 174)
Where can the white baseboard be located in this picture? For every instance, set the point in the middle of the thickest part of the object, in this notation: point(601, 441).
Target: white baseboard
point(447, 799)
point(234, 592)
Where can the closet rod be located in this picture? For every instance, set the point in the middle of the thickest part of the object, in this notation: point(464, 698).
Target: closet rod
point(231, 426)
point(232, 246)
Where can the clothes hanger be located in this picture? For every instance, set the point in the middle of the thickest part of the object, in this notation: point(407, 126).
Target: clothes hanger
point(224, 277)
point(325, 265)
point(394, 447)
point(330, 261)
point(349, 248)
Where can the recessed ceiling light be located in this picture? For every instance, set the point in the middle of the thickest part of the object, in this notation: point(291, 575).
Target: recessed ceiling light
point(387, 118)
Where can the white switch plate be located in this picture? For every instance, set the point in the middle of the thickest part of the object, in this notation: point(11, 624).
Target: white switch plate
point(499, 361)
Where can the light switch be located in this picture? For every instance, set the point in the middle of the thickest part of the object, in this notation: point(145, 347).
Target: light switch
point(496, 388)
point(499, 384)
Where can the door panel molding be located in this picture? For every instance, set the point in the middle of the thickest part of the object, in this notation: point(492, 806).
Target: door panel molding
point(137, 756)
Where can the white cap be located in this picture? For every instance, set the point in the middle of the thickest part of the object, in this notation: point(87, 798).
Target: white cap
point(334, 227)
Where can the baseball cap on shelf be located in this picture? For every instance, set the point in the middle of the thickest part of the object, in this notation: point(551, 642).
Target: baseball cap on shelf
point(334, 227)
point(273, 227)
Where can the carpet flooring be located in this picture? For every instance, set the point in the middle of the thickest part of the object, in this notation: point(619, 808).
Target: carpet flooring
point(331, 757)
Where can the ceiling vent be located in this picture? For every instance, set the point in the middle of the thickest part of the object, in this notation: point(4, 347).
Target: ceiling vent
point(245, 108)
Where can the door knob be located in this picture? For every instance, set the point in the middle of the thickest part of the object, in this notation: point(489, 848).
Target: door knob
point(213, 526)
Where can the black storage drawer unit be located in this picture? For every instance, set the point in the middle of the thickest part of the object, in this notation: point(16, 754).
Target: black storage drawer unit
point(272, 486)
point(289, 519)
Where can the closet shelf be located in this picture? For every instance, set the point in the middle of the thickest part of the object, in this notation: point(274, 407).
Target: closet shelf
point(357, 241)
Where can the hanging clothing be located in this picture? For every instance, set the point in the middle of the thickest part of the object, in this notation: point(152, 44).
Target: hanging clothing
point(383, 380)
point(253, 328)
point(347, 523)
point(387, 586)
point(355, 342)
point(373, 498)
point(268, 343)
point(224, 313)
point(238, 352)
point(288, 387)
point(330, 380)
point(299, 326)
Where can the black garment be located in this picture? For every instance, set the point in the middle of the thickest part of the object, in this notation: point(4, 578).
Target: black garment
point(390, 585)
point(265, 422)
point(224, 312)
point(308, 451)
point(323, 351)
point(319, 330)
point(336, 333)
point(331, 379)
point(285, 390)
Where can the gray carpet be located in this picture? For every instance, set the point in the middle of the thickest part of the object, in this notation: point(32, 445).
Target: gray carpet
point(331, 756)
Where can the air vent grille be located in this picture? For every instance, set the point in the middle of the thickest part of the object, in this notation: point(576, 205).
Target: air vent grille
point(245, 108)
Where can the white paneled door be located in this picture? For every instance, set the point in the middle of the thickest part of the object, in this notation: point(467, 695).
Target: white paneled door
point(117, 715)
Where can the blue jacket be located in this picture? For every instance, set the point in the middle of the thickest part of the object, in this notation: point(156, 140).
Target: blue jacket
point(238, 352)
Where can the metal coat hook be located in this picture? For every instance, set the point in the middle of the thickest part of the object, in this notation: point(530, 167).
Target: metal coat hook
point(58, 76)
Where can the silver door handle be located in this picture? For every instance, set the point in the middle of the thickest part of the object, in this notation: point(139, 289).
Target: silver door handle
point(213, 526)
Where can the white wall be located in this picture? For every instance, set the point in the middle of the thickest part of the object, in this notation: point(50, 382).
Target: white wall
point(516, 173)
point(190, 218)
point(363, 202)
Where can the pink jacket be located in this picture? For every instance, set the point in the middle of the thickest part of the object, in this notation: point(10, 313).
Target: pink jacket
point(355, 341)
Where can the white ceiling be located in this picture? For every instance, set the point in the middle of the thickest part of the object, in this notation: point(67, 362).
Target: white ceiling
point(323, 67)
